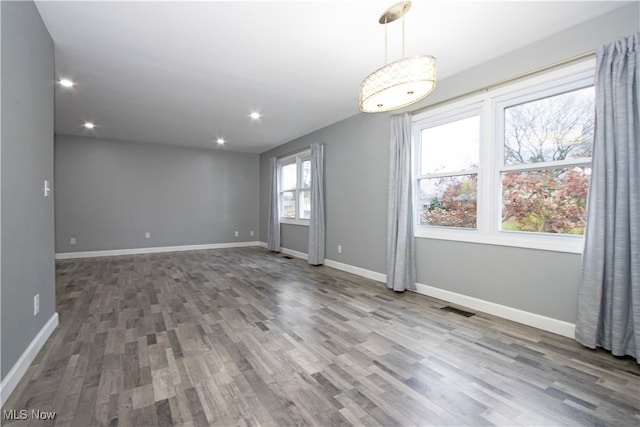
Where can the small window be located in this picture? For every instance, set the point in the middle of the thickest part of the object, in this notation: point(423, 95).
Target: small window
point(294, 188)
point(448, 173)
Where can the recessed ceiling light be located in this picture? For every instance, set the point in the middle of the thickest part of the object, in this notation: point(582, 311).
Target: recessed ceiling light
point(255, 115)
point(89, 125)
point(66, 83)
point(220, 141)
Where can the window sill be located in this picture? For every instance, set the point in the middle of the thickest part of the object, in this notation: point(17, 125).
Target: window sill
point(539, 241)
point(304, 222)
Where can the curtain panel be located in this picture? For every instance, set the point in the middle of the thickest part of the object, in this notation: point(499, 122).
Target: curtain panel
point(316, 250)
point(273, 225)
point(609, 293)
point(400, 242)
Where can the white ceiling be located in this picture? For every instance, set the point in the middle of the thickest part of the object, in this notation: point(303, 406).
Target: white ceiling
point(186, 73)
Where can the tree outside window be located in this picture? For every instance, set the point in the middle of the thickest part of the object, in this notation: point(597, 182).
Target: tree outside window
point(448, 180)
point(545, 173)
point(509, 166)
point(294, 187)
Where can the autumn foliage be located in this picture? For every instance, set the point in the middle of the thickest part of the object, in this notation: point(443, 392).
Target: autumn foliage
point(545, 201)
point(547, 144)
point(456, 207)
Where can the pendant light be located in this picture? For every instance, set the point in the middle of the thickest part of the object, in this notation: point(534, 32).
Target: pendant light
point(399, 83)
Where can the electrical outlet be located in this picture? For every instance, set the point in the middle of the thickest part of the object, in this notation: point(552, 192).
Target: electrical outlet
point(339, 249)
point(72, 240)
point(36, 304)
point(251, 233)
point(237, 233)
point(147, 235)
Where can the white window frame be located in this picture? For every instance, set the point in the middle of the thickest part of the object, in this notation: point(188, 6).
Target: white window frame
point(444, 116)
point(296, 159)
point(491, 106)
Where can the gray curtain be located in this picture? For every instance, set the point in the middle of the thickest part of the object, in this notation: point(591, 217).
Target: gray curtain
point(609, 294)
point(273, 226)
point(316, 223)
point(400, 243)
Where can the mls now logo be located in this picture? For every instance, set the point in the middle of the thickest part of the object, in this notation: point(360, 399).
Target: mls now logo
point(23, 414)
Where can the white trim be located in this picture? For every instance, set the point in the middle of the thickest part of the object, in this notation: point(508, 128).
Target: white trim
point(373, 275)
point(153, 250)
point(291, 221)
point(306, 152)
point(294, 253)
point(363, 272)
point(544, 323)
point(545, 242)
point(11, 380)
point(263, 244)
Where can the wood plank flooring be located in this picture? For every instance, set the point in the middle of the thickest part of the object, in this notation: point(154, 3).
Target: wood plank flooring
point(245, 337)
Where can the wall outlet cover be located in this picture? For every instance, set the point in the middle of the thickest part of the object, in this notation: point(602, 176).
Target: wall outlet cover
point(36, 304)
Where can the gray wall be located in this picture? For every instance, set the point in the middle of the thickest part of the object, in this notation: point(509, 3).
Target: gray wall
point(27, 160)
point(109, 193)
point(356, 179)
point(356, 162)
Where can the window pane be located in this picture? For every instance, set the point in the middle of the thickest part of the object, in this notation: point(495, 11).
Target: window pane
point(545, 201)
point(449, 201)
point(288, 204)
point(451, 147)
point(555, 128)
point(288, 176)
point(306, 174)
point(305, 204)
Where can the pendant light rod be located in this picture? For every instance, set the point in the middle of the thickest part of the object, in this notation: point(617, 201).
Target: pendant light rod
point(386, 58)
point(395, 12)
point(402, 37)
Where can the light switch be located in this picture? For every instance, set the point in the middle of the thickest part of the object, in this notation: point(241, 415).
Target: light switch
point(46, 189)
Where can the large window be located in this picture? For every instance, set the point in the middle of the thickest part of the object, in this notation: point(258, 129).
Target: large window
point(511, 166)
point(294, 188)
point(546, 160)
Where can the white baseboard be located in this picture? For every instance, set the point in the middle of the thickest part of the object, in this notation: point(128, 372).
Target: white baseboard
point(294, 253)
point(11, 380)
point(153, 250)
point(544, 323)
point(373, 275)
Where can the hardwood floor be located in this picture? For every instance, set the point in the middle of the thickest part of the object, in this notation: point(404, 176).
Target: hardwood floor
point(246, 337)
